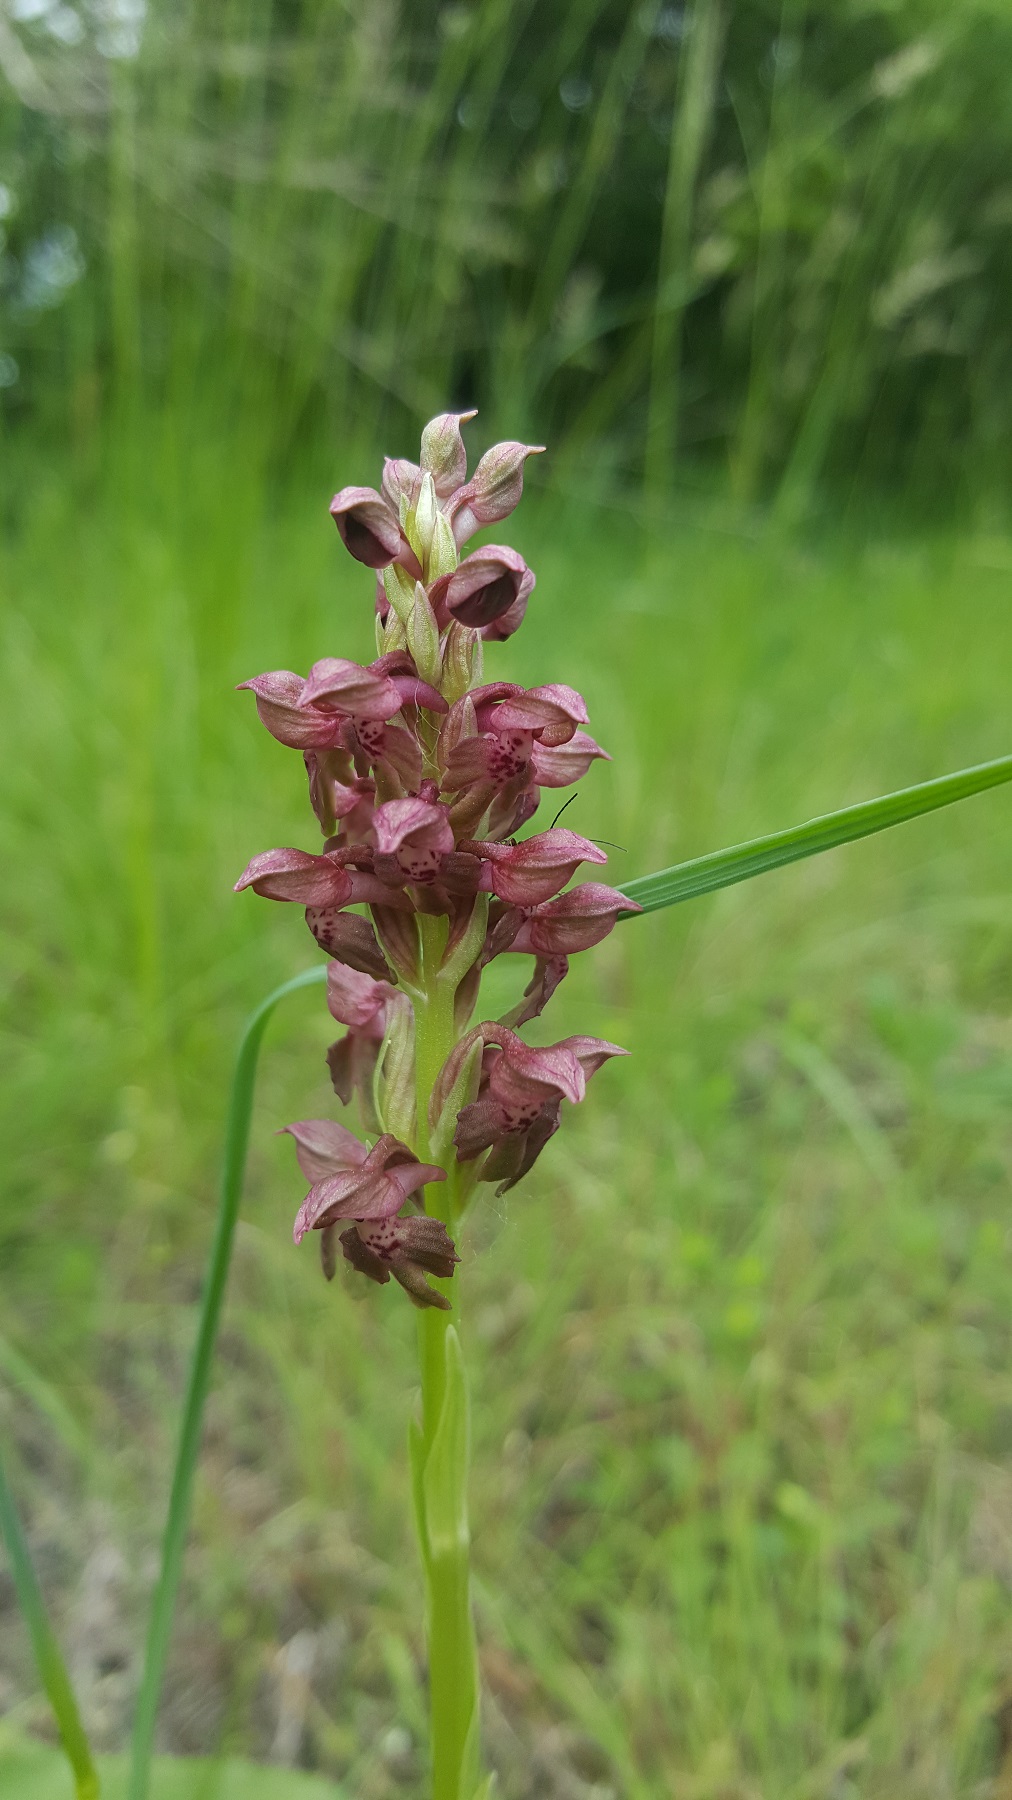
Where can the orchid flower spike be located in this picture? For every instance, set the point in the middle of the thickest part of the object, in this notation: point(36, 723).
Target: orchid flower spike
point(423, 778)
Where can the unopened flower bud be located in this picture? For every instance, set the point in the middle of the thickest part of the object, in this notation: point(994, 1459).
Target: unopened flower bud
point(399, 588)
point(400, 480)
point(494, 489)
point(423, 636)
point(395, 1070)
point(443, 557)
point(421, 520)
point(461, 661)
point(443, 452)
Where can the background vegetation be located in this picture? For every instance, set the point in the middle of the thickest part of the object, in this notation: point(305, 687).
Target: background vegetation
point(744, 1459)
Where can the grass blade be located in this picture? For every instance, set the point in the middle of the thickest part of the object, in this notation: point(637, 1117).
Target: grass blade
point(739, 862)
point(48, 1656)
point(240, 1110)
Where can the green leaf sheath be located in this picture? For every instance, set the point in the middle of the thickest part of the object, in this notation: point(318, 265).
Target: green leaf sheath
point(440, 1442)
point(240, 1109)
point(49, 1660)
point(722, 868)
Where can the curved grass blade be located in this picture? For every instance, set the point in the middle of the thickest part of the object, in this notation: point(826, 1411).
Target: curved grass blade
point(22, 1374)
point(48, 1656)
point(240, 1108)
point(722, 868)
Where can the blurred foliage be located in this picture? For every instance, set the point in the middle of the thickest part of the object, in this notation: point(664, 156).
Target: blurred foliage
point(773, 235)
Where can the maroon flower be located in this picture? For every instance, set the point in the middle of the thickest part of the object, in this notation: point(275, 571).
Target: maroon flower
point(295, 875)
point(527, 873)
point(341, 719)
point(363, 703)
point(336, 685)
point(370, 529)
point(520, 1099)
point(488, 592)
point(497, 734)
point(279, 698)
point(368, 1188)
point(573, 921)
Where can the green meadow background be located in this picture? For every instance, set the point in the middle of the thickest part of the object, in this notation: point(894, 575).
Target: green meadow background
point(742, 1343)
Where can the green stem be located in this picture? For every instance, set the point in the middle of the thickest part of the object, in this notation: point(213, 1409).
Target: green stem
point(240, 1110)
point(443, 1448)
point(48, 1657)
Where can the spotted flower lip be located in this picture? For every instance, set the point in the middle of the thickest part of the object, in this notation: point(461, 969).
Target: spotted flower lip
point(349, 939)
point(406, 1249)
point(503, 733)
point(415, 835)
point(532, 871)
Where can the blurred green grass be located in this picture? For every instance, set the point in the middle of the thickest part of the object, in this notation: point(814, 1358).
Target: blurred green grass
point(741, 1343)
point(32, 1773)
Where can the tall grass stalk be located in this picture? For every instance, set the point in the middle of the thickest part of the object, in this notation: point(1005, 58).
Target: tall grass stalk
point(48, 1656)
point(691, 124)
point(239, 1114)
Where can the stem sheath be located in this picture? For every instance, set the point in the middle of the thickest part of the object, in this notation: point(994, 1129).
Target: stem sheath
point(444, 1443)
